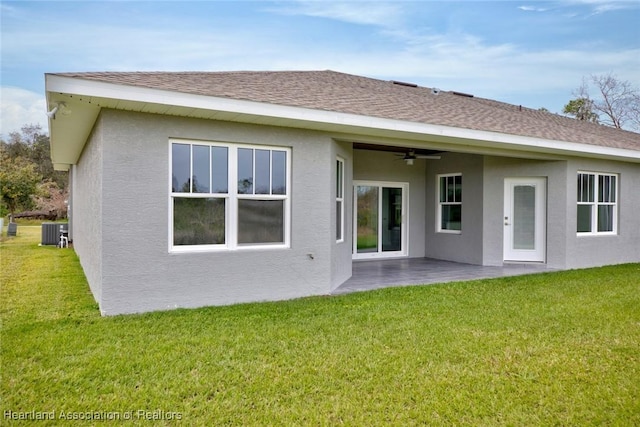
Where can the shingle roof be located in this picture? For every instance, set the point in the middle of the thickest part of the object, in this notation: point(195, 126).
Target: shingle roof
point(339, 92)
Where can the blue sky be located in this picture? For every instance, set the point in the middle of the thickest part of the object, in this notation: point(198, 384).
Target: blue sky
point(531, 53)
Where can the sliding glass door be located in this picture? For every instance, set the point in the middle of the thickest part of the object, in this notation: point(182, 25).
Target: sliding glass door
point(379, 219)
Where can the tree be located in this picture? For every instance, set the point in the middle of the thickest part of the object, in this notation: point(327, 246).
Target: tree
point(27, 177)
point(32, 144)
point(18, 182)
point(617, 103)
point(581, 109)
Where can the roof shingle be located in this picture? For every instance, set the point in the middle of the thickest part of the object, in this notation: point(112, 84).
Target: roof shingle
point(345, 93)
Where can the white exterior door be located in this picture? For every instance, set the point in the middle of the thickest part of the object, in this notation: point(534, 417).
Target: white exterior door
point(379, 219)
point(525, 219)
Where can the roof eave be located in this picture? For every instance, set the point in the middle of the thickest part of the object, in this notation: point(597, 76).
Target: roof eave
point(85, 98)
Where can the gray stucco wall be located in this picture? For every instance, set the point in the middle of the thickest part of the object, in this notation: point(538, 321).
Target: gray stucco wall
point(87, 208)
point(565, 249)
point(383, 166)
point(120, 211)
point(341, 252)
point(467, 246)
point(139, 273)
point(496, 169)
point(591, 251)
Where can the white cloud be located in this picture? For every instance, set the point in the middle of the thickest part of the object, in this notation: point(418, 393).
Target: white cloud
point(603, 6)
point(402, 50)
point(21, 107)
point(355, 12)
point(532, 9)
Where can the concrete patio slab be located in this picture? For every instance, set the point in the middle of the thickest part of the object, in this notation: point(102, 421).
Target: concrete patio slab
point(369, 275)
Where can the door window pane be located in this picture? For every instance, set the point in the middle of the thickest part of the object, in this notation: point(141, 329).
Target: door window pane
point(391, 219)
point(245, 171)
point(220, 169)
point(198, 221)
point(201, 169)
point(180, 168)
point(367, 221)
point(524, 216)
point(260, 221)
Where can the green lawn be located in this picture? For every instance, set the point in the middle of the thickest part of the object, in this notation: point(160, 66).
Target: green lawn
point(550, 349)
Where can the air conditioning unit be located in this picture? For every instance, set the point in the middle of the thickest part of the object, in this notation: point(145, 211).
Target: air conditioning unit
point(51, 232)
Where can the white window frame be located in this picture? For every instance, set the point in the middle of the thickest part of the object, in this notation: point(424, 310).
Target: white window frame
point(231, 199)
point(340, 200)
point(595, 203)
point(440, 204)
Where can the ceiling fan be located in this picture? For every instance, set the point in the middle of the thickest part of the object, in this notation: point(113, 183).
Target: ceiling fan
point(411, 155)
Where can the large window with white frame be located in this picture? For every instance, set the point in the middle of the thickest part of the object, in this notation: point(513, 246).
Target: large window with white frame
point(449, 215)
point(597, 211)
point(228, 196)
point(339, 200)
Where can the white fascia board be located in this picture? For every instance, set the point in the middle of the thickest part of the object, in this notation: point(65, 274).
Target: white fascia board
point(315, 119)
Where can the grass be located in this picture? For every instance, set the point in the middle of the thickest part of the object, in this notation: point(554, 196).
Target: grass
point(549, 349)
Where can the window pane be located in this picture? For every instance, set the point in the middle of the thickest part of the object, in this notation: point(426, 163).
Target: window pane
point(450, 189)
point(579, 188)
point(338, 220)
point(201, 169)
point(198, 221)
point(613, 189)
point(279, 172)
point(606, 192)
point(260, 221)
point(339, 179)
point(451, 217)
point(605, 218)
point(220, 169)
point(180, 168)
point(458, 189)
point(586, 187)
point(443, 189)
point(245, 171)
point(263, 172)
point(583, 189)
point(584, 218)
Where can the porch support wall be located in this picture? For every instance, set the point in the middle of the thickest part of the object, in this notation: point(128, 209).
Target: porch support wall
point(597, 250)
point(467, 245)
point(341, 252)
point(496, 169)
